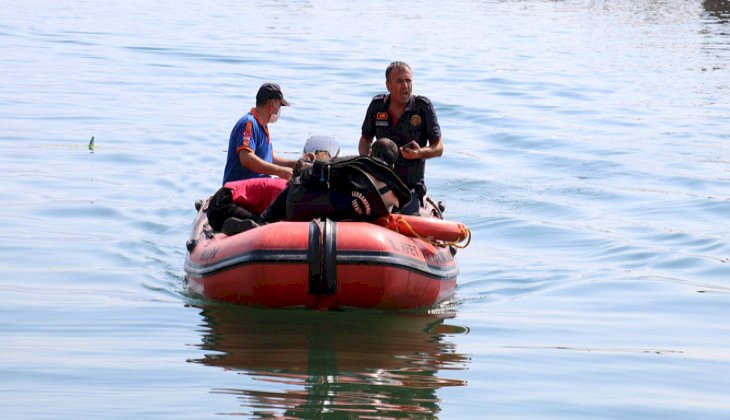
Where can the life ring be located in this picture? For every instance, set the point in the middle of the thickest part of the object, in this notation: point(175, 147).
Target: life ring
point(436, 231)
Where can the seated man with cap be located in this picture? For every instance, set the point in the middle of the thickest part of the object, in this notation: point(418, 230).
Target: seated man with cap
point(250, 150)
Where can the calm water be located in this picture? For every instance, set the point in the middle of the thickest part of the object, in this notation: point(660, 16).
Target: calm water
point(587, 148)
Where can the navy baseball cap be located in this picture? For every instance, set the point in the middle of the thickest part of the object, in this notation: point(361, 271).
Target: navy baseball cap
point(271, 91)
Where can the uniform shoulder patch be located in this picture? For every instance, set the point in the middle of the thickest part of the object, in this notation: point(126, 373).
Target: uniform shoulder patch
point(247, 135)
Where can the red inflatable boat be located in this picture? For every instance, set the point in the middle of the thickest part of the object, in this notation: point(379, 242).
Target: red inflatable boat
point(401, 262)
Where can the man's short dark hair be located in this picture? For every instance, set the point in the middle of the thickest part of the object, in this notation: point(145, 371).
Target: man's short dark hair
point(396, 65)
point(386, 150)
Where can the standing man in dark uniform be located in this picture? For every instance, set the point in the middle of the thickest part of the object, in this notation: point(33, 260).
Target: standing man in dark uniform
point(408, 120)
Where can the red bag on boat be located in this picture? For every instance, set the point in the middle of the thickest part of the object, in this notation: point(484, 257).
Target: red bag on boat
point(255, 194)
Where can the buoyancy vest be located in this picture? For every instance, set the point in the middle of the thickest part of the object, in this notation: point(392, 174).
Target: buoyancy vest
point(345, 189)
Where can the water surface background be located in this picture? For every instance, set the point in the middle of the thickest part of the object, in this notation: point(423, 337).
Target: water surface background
point(587, 148)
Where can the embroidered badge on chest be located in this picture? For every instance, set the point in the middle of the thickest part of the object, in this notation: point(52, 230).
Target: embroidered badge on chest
point(416, 120)
point(380, 116)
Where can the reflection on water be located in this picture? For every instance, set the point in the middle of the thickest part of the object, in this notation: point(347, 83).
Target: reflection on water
point(354, 363)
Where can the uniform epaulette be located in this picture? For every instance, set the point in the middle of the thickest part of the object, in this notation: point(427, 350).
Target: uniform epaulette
point(380, 97)
point(423, 99)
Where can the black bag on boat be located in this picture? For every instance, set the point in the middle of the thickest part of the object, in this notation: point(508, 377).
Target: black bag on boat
point(221, 207)
point(343, 189)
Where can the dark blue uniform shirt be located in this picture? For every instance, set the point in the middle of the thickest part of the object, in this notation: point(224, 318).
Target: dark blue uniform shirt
point(418, 123)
